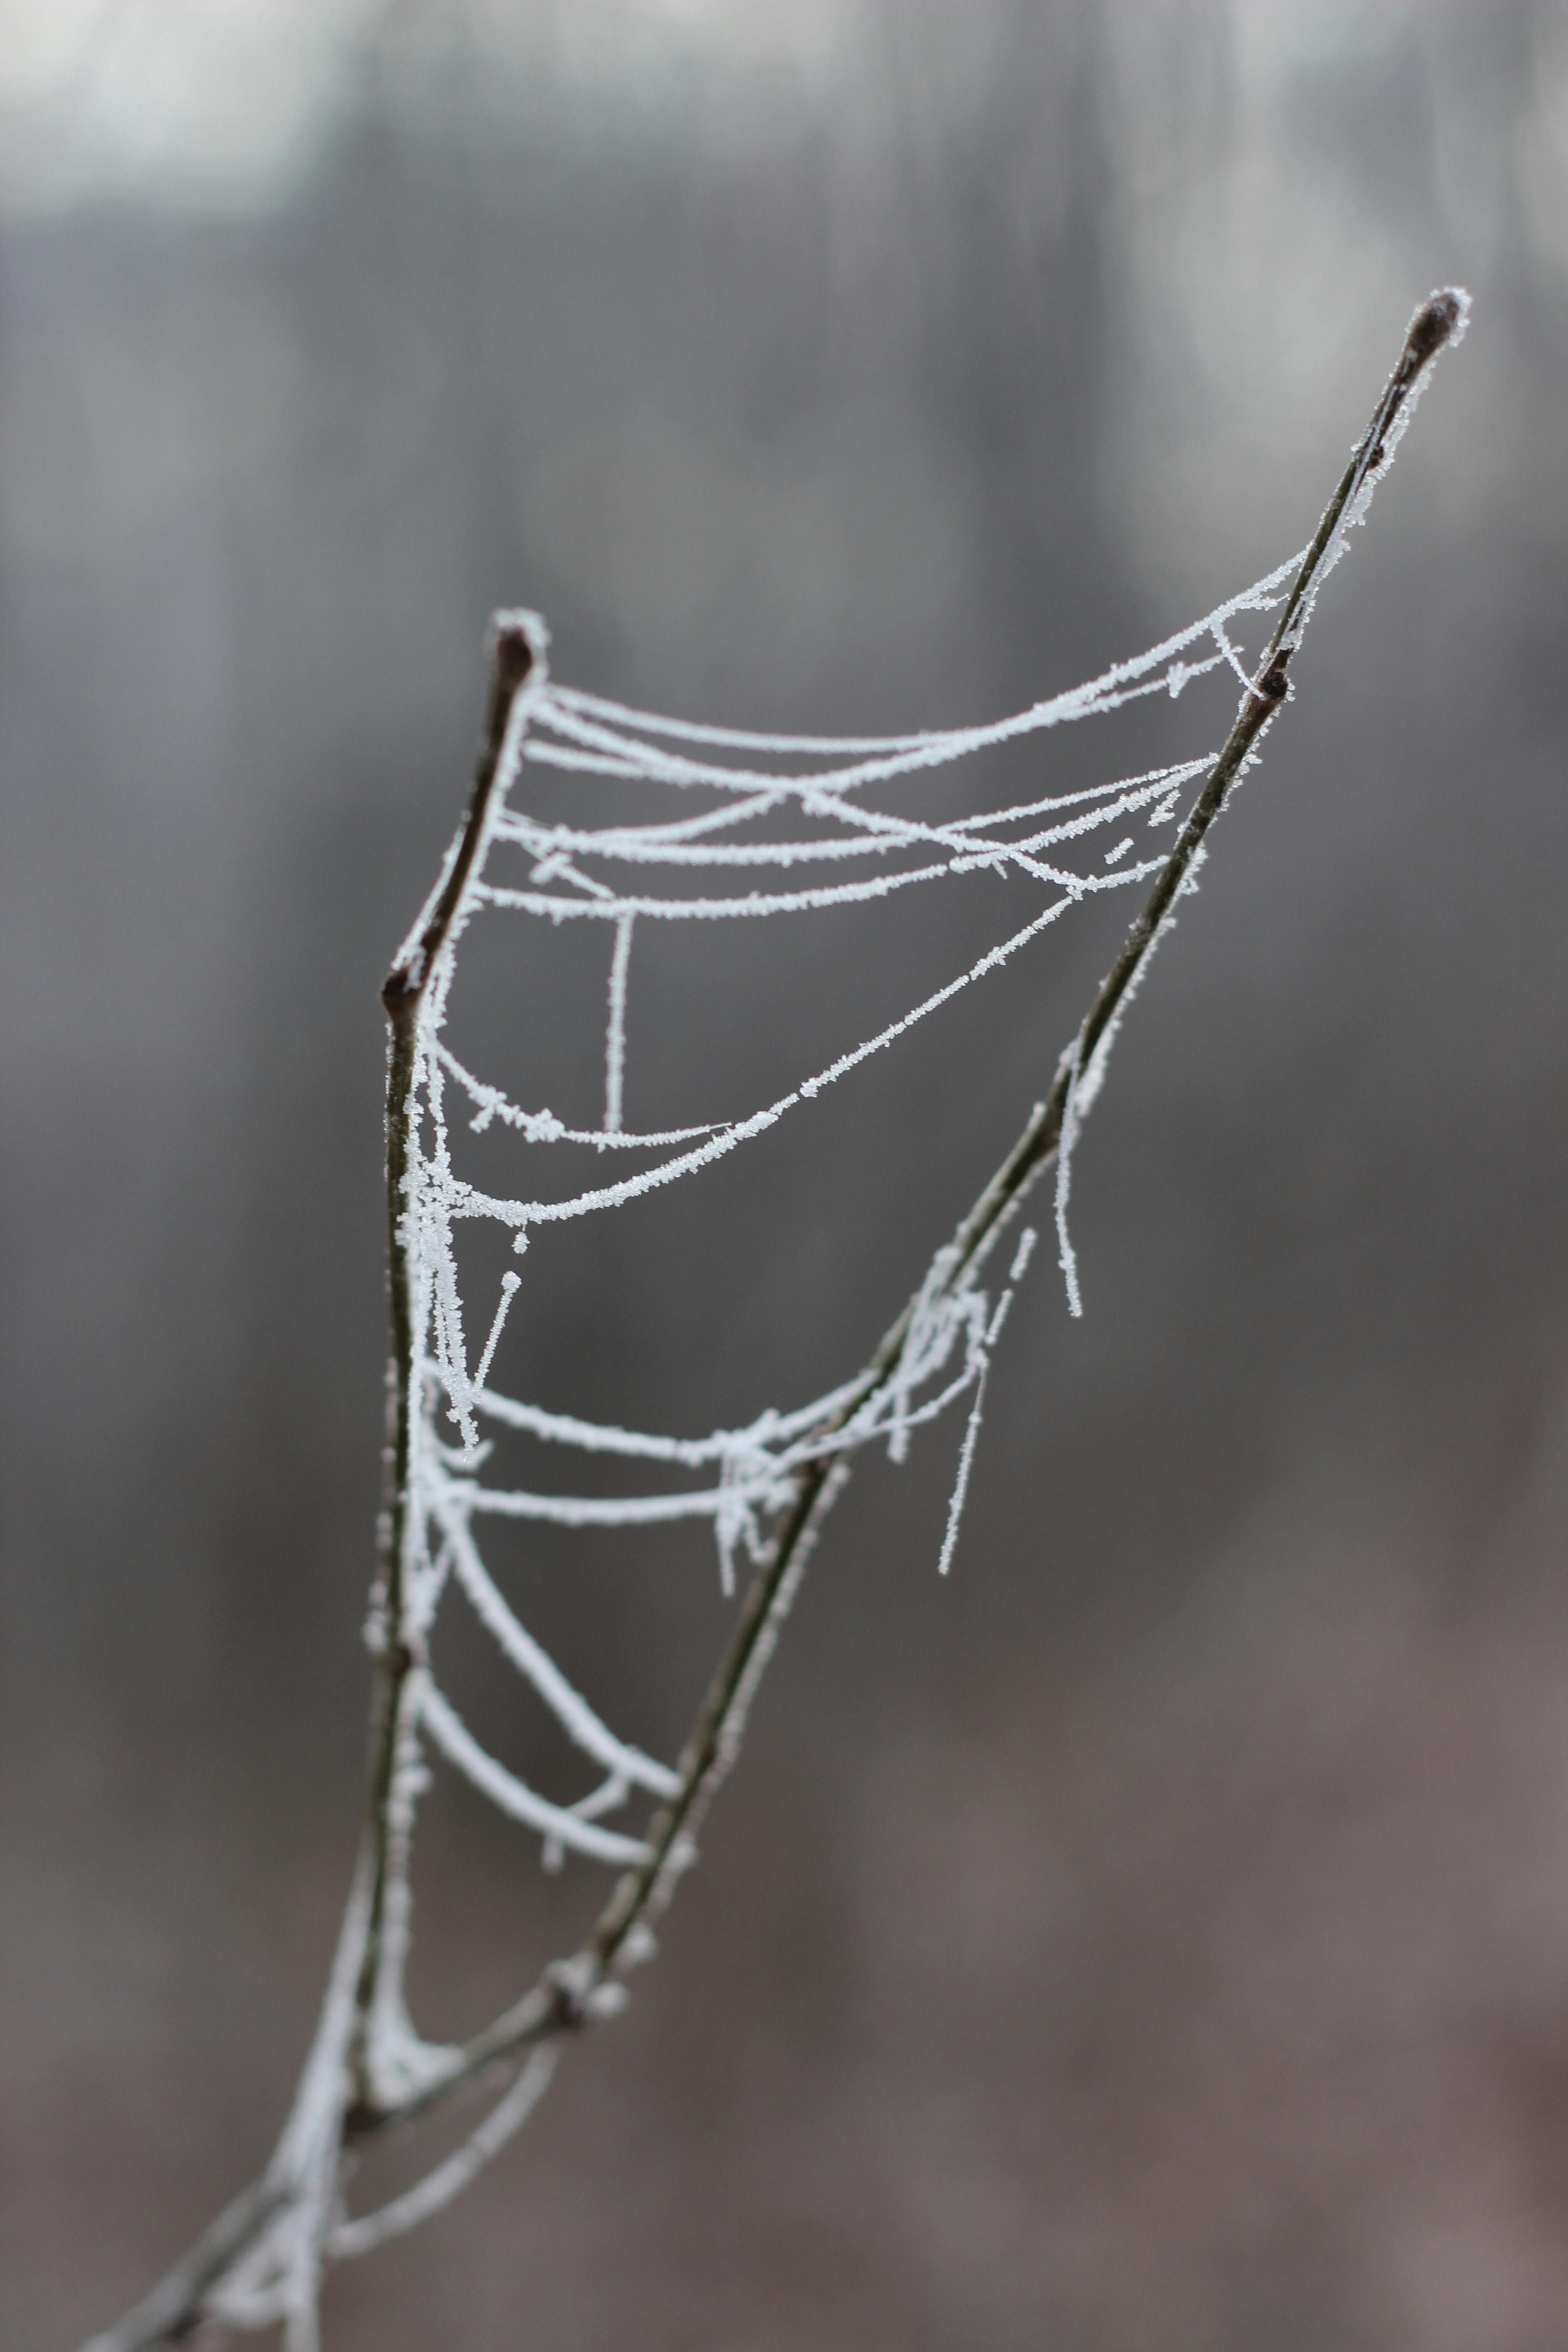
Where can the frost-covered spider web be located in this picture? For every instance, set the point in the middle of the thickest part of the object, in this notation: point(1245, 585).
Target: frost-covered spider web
point(739, 827)
point(728, 827)
point(669, 823)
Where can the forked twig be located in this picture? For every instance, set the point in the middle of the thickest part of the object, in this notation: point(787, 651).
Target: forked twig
point(348, 2097)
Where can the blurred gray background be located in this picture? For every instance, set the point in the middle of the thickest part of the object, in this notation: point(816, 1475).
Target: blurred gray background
point(1153, 1939)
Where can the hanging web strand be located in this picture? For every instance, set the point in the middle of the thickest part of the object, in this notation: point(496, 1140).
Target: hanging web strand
point(615, 1032)
point(1072, 1113)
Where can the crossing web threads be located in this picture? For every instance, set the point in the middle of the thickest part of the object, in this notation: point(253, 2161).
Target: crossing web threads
point(727, 826)
point(740, 827)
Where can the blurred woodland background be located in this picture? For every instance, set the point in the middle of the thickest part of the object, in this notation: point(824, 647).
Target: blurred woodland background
point(1153, 1939)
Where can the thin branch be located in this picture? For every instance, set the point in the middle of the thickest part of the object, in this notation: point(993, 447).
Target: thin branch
point(404, 994)
point(174, 2309)
point(576, 1991)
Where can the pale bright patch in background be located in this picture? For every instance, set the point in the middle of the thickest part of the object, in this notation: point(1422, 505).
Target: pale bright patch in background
point(216, 102)
point(690, 531)
point(1262, 259)
point(1274, 231)
point(221, 105)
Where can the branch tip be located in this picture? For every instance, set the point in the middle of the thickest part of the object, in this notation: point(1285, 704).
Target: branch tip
point(1442, 319)
point(518, 641)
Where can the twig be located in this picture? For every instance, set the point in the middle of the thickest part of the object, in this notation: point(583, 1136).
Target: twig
point(576, 1991)
point(403, 994)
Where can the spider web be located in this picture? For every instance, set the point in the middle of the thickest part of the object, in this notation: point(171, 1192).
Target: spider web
point(739, 826)
point(727, 826)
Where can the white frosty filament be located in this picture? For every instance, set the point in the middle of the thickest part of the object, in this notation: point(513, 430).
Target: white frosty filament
point(752, 807)
point(1068, 1255)
point(615, 1032)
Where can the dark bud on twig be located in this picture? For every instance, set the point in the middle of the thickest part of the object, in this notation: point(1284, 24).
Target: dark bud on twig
point(512, 656)
point(1433, 324)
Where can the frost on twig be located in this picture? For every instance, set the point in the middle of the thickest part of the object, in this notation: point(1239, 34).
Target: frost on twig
point(744, 827)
